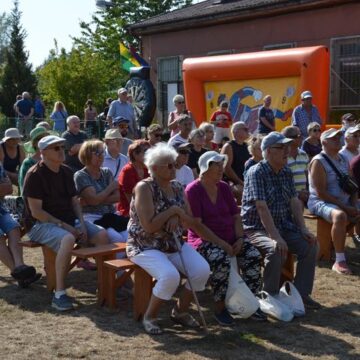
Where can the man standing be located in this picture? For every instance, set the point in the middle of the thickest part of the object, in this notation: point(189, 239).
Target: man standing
point(273, 219)
point(24, 109)
point(121, 107)
point(51, 197)
point(266, 117)
point(113, 159)
point(348, 121)
point(305, 113)
point(122, 124)
point(185, 124)
point(74, 137)
point(222, 121)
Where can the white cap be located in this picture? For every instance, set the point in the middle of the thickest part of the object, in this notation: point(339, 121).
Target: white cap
point(352, 130)
point(122, 90)
point(306, 95)
point(328, 134)
point(49, 140)
point(208, 157)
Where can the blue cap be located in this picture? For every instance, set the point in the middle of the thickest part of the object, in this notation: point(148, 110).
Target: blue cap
point(274, 138)
point(120, 119)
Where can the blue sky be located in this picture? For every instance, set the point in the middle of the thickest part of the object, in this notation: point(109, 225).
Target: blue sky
point(46, 20)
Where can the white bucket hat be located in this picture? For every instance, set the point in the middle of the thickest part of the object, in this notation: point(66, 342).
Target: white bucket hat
point(12, 133)
point(208, 157)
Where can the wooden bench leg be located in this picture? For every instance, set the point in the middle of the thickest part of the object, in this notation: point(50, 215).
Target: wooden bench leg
point(102, 277)
point(142, 292)
point(49, 263)
point(324, 239)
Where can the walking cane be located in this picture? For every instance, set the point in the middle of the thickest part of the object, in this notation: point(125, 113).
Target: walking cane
point(191, 287)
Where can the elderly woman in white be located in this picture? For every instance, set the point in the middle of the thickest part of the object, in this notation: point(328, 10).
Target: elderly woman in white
point(158, 212)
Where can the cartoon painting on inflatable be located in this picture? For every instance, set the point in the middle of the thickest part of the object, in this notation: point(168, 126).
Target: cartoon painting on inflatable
point(245, 78)
point(246, 97)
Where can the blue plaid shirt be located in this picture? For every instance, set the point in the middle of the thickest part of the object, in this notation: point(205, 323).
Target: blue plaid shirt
point(302, 119)
point(263, 184)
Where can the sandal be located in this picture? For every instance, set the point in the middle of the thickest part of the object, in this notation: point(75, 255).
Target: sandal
point(23, 272)
point(151, 327)
point(184, 319)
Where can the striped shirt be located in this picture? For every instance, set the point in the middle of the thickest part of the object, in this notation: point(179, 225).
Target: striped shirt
point(298, 167)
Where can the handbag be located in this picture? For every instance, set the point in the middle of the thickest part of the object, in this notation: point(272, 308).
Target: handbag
point(290, 296)
point(239, 299)
point(346, 182)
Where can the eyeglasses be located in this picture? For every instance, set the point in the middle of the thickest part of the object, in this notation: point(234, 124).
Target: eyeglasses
point(298, 136)
point(99, 153)
point(316, 130)
point(56, 148)
point(217, 163)
point(170, 166)
point(281, 147)
point(123, 126)
point(180, 102)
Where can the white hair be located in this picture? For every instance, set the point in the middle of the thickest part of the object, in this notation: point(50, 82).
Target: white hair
point(236, 125)
point(205, 126)
point(158, 153)
point(71, 118)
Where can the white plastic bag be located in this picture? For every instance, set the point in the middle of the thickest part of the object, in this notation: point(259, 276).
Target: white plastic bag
point(290, 296)
point(239, 299)
point(274, 308)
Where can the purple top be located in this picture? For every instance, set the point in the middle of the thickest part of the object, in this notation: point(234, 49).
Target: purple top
point(219, 217)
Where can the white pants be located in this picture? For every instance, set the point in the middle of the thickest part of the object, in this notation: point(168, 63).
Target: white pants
point(113, 235)
point(220, 133)
point(165, 269)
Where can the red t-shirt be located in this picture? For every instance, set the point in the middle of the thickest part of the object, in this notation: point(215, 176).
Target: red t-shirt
point(223, 118)
point(128, 178)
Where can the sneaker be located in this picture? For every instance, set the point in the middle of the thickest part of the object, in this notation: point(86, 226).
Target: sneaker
point(259, 315)
point(63, 303)
point(224, 318)
point(310, 303)
point(86, 265)
point(356, 240)
point(342, 268)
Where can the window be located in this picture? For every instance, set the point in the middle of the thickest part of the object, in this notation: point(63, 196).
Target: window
point(345, 72)
point(280, 46)
point(169, 83)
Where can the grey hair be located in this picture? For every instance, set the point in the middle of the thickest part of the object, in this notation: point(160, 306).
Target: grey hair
point(313, 125)
point(253, 141)
point(264, 154)
point(178, 98)
point(71, 118)
point(205, 126)
point(154, 155)
point(196, 132)
point(236, 125)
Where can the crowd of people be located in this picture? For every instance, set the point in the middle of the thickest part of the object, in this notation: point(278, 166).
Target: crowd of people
point(208, 194)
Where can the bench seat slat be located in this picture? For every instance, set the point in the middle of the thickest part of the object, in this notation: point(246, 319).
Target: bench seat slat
point(101, 250)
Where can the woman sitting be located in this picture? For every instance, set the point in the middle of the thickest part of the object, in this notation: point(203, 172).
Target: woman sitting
point(12, 154)
point(209, 136)
point(133, 172)
point(213, 204)
point(99, 192)
point(197, 140)
point(157, 213)
point(312, 145)
point(254, 147)
point(32, 149)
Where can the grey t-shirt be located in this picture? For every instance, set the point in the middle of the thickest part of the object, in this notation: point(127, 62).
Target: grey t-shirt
point(83, 180)
point(70, 140)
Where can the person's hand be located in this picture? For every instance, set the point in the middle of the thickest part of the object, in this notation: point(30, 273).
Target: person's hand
point(308, 236)
point(177, 210)
point(237, 246)
point(227, 248)
point(281, 246)
point(303, 195)
point(81, 235)
point(172, 224)
point(113, 186)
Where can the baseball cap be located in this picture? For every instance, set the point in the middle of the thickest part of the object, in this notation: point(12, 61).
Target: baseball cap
point(34, 133)
point(352, 130)
point(208, 157)
point(328, 134)
point(113, 134)
point(12, 133)
point(306, 95)
point(49, 140)
point(348, 116)
point(274, 138)
point(120, 119)
point(122, 90)
point(183, 146)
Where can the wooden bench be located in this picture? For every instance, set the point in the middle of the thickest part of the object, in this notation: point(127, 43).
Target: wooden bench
point(101, 254)
point(323, 234)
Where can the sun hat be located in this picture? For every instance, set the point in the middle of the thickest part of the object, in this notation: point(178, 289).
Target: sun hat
point(274, 138)
point(352, 130)
point(306, 95)
point(208, 157)
point(49, 140)
point(12, 133)
point(113, 134)
point(34, 133)
point(328, 134)
point(122, 90)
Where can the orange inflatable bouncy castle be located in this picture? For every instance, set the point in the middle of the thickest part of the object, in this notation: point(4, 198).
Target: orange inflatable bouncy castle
point(244, 79)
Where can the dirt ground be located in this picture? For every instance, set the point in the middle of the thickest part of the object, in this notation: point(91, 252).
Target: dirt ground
point(30, 328)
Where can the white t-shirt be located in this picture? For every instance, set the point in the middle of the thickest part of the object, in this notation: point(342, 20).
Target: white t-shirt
point(184, 175)
point(348, 155)
point(177, 140)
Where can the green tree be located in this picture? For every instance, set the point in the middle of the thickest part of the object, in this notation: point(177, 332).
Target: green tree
point(17, 75)
point(4, 35)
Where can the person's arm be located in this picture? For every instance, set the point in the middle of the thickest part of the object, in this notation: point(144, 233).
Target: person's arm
point(31, 113)
point(172, 122)
point(239, 234)
point(268, 223)
point(5, 187)
point(229, 172)
point(21, 155)
point(318, 177)
point(82, 234)
point(294, 117)
point(1, 155)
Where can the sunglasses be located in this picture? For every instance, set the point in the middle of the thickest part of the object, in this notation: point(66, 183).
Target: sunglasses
point(57, 148)
point(183, 152)
point(170, 166)
point(294, 136)
point(123, 126)
point(281, 147)
point(316, 130)
point(180, 102)
point(99, 153)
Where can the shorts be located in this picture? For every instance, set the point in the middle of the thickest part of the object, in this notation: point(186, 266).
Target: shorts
point(7, 224)
point(324, 210)
point(220, 133)
point(50, 234)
